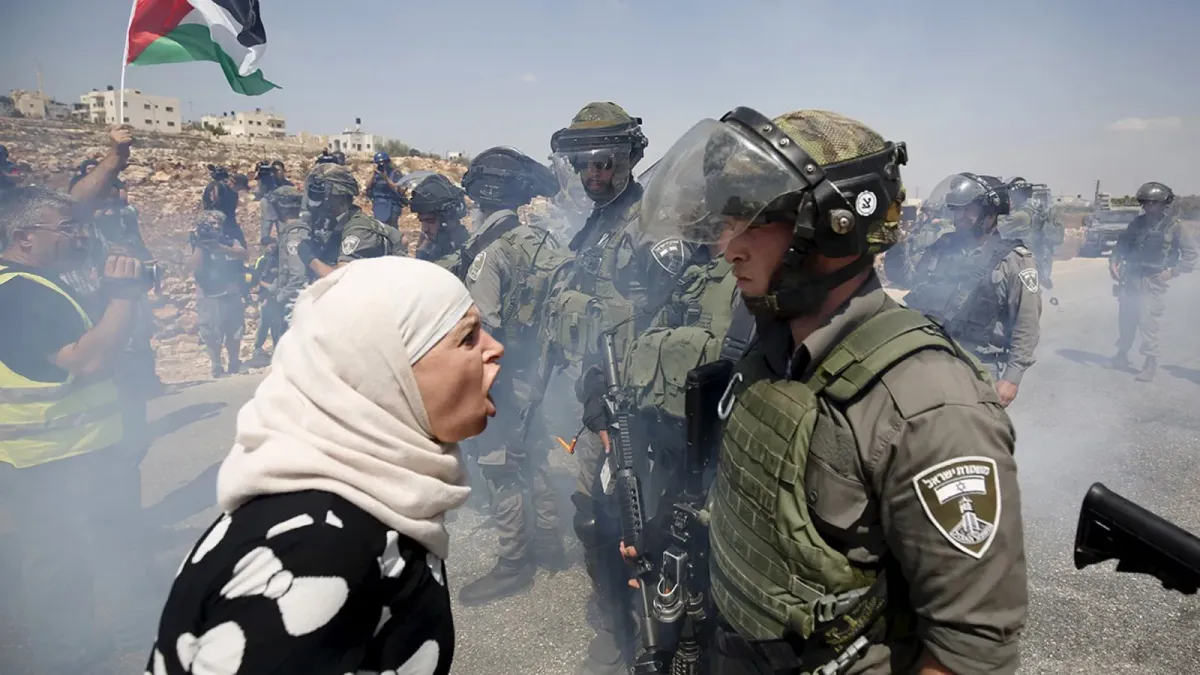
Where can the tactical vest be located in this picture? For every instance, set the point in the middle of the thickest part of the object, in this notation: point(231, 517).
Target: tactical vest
point(540, 263)
point(588, 302)
point(1151, 248)
point(694, 325)
point(393, 240)
point(957, 290)
point(495, 226)
point(773, 575)
point(42, 422)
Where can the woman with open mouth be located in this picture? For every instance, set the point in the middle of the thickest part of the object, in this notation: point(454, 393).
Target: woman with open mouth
point(328, 558)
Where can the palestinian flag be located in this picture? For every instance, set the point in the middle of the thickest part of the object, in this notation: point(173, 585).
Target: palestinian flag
point(228, 32)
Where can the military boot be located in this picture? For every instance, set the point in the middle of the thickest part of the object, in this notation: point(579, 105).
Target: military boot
point(1148, 369)
point(548, 551)
point(507, 578)
point(604, 654)
point(1120, 361)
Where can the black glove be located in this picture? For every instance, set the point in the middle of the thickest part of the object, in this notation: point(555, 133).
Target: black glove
point(264, 240)
point(590, 389)
point(306, 253)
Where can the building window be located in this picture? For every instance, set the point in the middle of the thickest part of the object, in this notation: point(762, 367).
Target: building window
point(125, 104)
point(146, 106)
point(170, 124)
point(170, 109)
point(149, 121)
point(126, 119)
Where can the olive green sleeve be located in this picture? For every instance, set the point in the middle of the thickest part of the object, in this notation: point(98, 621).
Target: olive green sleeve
point(360, 242)
point(1185, 246)
point(1021, 289)
point(950, 508)
point(486, 280)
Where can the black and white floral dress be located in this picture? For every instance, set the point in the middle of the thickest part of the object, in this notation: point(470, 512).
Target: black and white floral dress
point(306, 584)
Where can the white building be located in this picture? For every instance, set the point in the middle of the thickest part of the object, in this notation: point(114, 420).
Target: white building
point(352, 141)
point(38, 105)
point(144, 112)
point(256, 124)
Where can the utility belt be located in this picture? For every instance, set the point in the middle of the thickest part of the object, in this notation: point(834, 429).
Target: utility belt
point(845, 627)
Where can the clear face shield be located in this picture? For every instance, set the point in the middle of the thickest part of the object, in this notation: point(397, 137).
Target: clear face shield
point(593, 177)
point(957, 197)
point(713, 183)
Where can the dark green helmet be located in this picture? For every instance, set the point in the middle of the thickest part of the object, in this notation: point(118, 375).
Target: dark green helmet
point(834, 180)
point(596, 153)
point(506, 178)
point(287, 198)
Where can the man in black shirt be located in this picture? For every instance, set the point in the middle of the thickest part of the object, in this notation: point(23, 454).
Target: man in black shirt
point(219, 263)
point(222, 195)
point(66, 482)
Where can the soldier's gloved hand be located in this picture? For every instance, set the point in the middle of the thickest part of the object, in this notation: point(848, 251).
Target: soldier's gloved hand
point(305, 252)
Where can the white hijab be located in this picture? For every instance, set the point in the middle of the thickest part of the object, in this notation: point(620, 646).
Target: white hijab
point(340, 410)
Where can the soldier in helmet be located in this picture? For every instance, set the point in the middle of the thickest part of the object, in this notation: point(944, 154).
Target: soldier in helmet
point(1031, 222)
point(855, 518)
point(440, 208)
point(1154, 249)
point(619, 280)
point(982, 287)
point(330, 231)
point(509, 267)
point(272, 322)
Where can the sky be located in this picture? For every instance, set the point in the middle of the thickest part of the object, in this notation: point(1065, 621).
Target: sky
point(1065, 92)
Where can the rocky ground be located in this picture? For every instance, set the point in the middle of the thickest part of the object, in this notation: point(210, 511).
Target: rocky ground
point(165, 179)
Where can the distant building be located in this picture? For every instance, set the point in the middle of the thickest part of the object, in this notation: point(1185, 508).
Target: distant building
point(40, 106)
point(144, 112)
point(257, 124)
point(461, 154)
point(354, 141)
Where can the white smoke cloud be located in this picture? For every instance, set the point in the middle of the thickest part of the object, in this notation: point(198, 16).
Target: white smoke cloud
point(1146, 124)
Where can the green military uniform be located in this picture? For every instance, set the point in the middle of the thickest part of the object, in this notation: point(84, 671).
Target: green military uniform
point(509, 282)
point(972, 287)
point(365, 237)
point(294, 275)
point(510, 268)
point(1151, 246)
point(618, 281)
point(866, 508)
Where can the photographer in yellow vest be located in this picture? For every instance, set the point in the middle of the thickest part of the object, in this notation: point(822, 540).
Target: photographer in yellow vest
point(67, 482)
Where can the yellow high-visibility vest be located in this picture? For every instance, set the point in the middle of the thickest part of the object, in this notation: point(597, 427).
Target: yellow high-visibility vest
point(42, 422)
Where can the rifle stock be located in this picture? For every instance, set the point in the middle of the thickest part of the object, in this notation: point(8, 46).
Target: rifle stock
point(1112, 527)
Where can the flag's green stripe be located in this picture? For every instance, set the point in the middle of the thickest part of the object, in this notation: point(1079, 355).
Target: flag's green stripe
point(193, 42)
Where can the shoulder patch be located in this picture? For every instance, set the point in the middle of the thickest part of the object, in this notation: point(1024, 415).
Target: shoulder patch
point(1023, 250)
point(1029, 279)
point(670, 254)
point(293, 246)
point(962, 499)
point(477, 266)
point(349, 244)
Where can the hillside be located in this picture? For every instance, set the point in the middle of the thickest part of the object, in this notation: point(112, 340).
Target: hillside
point(165, 179)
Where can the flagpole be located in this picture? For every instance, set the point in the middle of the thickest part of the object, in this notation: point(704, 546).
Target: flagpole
point(124, 63)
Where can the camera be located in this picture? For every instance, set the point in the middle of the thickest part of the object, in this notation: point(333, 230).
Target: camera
point(218, 172)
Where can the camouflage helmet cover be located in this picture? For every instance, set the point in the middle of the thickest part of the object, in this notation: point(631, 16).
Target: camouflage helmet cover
point(601, 114)
point(831, 139)
point(285, 197)
point(336, 177)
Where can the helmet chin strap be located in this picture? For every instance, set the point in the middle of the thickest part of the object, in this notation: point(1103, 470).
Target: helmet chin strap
point(795, 293)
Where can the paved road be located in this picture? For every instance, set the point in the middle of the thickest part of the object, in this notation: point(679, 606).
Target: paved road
point(1078, 422)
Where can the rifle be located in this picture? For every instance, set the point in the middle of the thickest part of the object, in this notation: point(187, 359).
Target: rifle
point(647, 659)
point(681, 597)
point(1111, 526)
